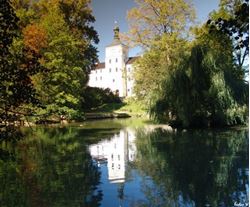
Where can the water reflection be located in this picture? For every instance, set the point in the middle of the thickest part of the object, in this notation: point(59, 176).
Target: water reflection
point(124, 166)
point(195, 168)
point(116, 151)
point(115, 154)
point(50, 167)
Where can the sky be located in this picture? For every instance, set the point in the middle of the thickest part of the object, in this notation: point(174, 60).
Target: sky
point(107, 12)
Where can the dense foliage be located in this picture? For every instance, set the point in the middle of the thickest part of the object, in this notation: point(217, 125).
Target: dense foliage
point(150, 19)
point(94, 97)
point(193, 84)
point(232, 19)
point(17, 64)
point(47, 51)
point(60, 32)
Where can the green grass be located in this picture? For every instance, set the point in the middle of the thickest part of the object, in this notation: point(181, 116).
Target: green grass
point(129, 106)
point(133, 107)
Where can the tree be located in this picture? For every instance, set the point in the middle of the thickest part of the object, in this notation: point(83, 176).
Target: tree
point(161, 28)
point(205, 89)
point(16, 67)
point(152, 69)
point(151, 19)
point(35, 37)
point(189, 83)
point(78, 15)
point(61, 32)
point(60, 88)
point(232, 19)
point(167, 46)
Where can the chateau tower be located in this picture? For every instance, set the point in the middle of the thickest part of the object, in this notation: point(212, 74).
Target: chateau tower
point(116, 57)
point(116, 73)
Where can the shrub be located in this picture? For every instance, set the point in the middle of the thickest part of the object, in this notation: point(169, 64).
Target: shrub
point(94, 97)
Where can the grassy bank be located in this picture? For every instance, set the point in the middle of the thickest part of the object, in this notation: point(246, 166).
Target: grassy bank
point(129, 106)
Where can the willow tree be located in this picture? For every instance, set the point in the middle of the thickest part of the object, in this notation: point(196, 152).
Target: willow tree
point(188, 83)
point(157, 65)
point(204, 89)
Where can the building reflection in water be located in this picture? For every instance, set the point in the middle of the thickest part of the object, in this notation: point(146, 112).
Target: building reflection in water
point(117, 152)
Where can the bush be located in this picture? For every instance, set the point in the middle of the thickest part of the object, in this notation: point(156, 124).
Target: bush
point(94, 97)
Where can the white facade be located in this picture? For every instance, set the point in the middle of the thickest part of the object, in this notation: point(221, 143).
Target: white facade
point(117, 151)
point(116, 73)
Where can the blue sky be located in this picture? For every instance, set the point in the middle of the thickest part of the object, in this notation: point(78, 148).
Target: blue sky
point(107, 12)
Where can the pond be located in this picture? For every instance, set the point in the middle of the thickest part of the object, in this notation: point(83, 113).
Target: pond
point(124, 163)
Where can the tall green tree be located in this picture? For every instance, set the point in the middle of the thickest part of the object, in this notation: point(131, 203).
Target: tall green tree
point(232, 19)
point(162, 28)
point(205, 89)
point(61, 32)
point(16, 66)
point(194, 83)
point(152, 69)
point(151, 19)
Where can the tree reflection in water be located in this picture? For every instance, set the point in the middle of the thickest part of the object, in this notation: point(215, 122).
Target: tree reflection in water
point(53, 167)
point(50, 167)
point(197, 168)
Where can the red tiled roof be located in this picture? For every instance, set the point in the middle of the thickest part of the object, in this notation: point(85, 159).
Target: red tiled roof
point(131, 60)
point(99, 66)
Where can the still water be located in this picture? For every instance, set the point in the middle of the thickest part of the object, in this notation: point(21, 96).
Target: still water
point(118, 163)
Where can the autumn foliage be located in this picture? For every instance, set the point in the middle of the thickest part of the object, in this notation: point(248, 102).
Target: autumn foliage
point(35, 37)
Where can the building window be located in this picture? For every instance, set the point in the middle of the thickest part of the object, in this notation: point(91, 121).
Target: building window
point(113, 80)
point(128, 69)
point(96, 78)
point(101, 78)
point(96, 71)
point(116, 69)
point(128, 90)
point(118, 157)
point(101, 70)
point(109, 60)
point(116, 60)
point(119, 166)
point(128, 78)
point(110, 70)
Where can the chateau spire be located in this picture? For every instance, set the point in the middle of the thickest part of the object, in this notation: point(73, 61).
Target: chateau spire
point(116, 31)
point(116, 40)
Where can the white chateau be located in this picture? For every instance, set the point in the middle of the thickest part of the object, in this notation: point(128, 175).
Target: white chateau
point(116, 72)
